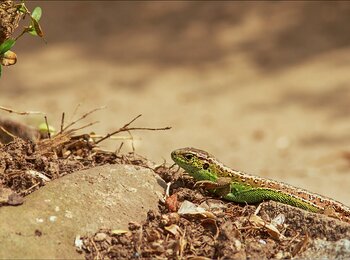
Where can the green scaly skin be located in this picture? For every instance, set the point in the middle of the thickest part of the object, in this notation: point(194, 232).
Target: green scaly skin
point(241, 187)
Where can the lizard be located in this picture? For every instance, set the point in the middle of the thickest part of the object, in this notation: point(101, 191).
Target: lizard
point(241, 187)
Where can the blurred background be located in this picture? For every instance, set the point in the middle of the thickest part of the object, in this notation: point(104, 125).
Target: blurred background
point(264, 86)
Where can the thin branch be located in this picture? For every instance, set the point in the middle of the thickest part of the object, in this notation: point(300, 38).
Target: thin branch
point(133, 120)
point(132, 129)
point(62, 122)
point(7, 132)
point(30, 188)
point(47, 128)
point(120, 147)
point(125, 128)
point(75, 111)
point(114, 137)
point(82, 117)
point(132, 142)
point(85, 126)
point(21, 112)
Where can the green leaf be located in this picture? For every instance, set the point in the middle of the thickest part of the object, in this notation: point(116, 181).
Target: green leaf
point(0, 70)
point(7, 45)
point(36, 14)
point(43, 128)
point(35, 28)
point(31, 31)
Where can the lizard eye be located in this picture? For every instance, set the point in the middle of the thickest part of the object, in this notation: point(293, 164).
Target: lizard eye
point(205, 166)
point(188, 156)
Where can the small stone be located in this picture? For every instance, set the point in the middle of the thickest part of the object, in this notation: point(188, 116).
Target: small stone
point(100, 237)
point(15, 199)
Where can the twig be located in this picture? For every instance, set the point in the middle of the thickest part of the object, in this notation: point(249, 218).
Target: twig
point(32, 187)
point(115, 137)
point(132, 142)
point(75, 111)
point(120, 147)
point(62, 122)
point(7, 132)
point(82, 117)
point(21, 112)
point(97, 251)
point(131, 129)
point(47, 128)
point(133, 120)
point(139, 244)
point(125, 128)
point(84, 126)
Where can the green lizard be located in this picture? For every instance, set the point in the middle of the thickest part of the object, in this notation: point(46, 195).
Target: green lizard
point(241, 187)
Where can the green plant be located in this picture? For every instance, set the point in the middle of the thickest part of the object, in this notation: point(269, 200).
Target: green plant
point(10, 15)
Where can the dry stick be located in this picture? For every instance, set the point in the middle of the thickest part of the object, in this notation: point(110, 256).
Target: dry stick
point(21, 113)
point(87, 125)
point(83, 116)
point(131, 129)
point(7, 132)
point(120, 147)
point(125, 128)
point(47, 127)
point(62, 122)
point(132, 142)
point(97, 251)
point(32, 187)
point(139, 244)
point(114, 137)
point(75, 111)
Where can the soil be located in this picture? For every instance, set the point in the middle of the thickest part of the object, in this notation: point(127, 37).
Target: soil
point(263, 86)
point(209, 227)
point(224, 231)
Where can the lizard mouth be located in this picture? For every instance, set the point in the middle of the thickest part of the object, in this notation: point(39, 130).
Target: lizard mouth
point(176, 156)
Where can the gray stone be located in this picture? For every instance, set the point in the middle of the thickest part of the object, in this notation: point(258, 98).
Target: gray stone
point(323, 249)
point(46, 225)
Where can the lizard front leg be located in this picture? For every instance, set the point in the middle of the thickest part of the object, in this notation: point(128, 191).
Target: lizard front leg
point(221, 187)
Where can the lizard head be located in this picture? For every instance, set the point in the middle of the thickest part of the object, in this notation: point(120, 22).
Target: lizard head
point(196, 162)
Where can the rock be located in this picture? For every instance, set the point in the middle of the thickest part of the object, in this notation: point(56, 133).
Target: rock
point(8, 196)
point(328, 237)
point(50, 219)
point(327, 249)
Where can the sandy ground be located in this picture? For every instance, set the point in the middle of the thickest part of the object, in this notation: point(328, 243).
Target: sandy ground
point(263, 86)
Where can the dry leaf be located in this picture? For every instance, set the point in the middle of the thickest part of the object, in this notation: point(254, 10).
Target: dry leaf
point(189, 208)
point(174, 229)
point(271, 229)
point(8, 58)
